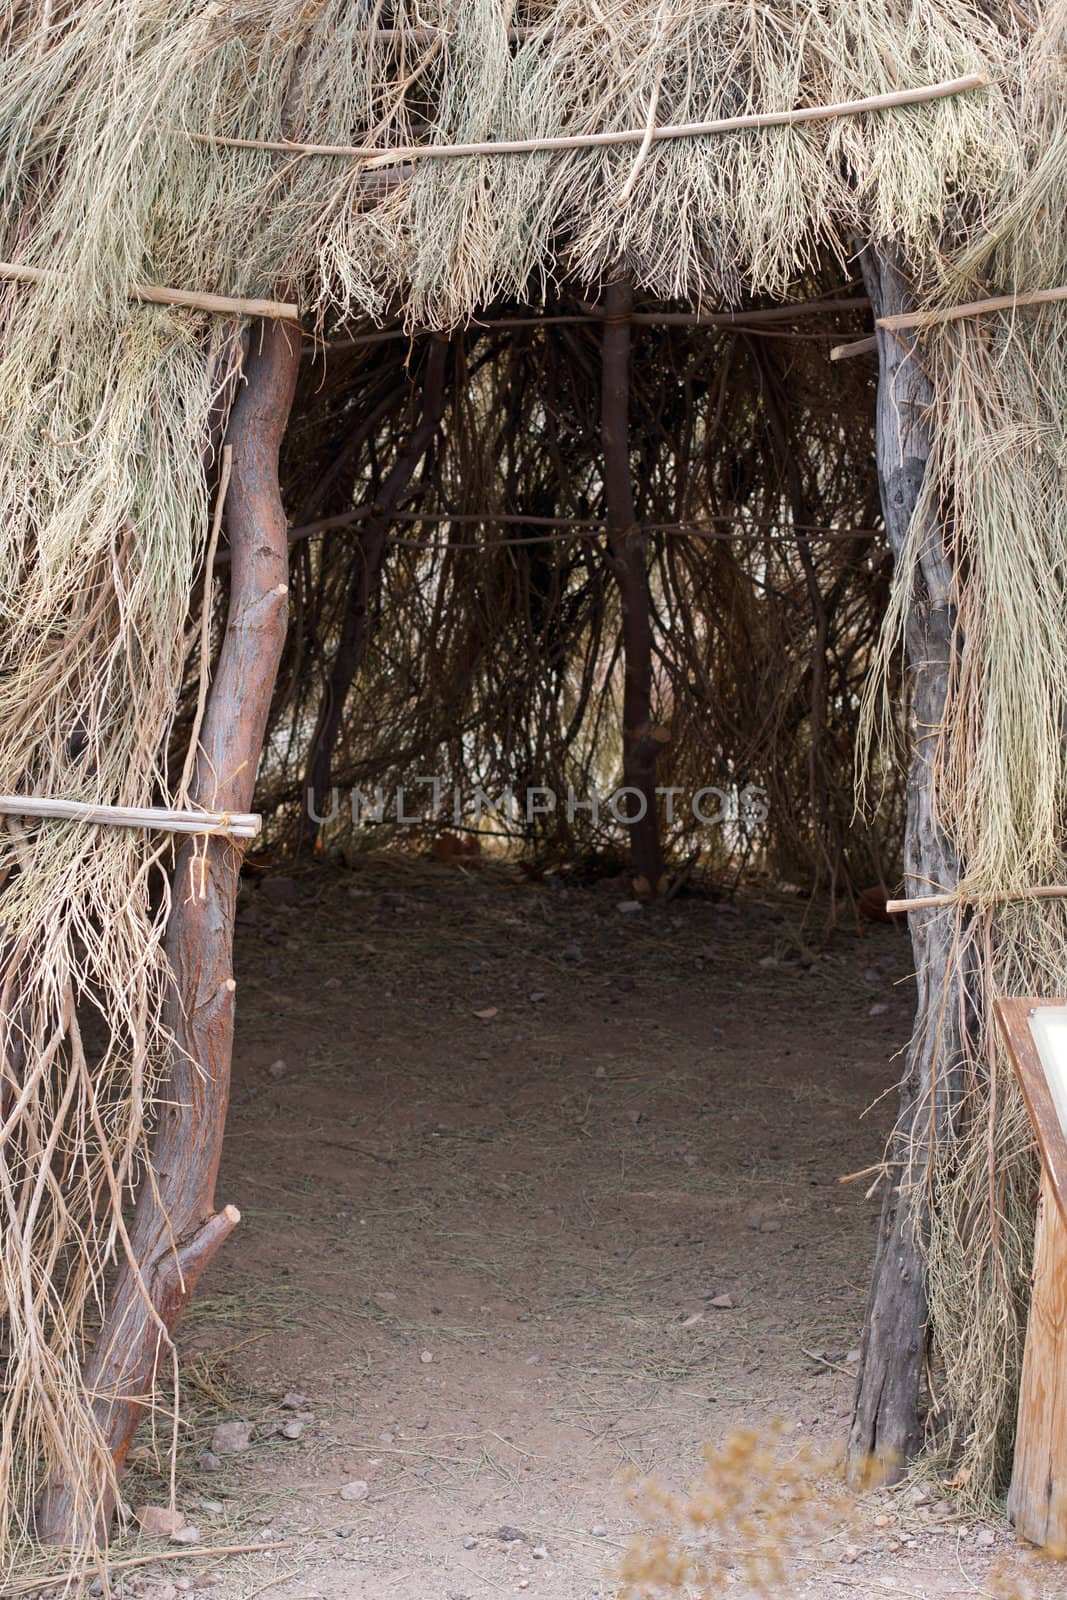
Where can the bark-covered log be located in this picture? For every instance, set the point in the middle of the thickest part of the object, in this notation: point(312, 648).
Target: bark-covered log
point(176, 1229)
point(886, 1424)
point(628, 560)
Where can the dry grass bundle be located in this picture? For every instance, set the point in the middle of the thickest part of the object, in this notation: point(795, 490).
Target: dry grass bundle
point(1002, 794)
point(997, 484)
point(103, 493)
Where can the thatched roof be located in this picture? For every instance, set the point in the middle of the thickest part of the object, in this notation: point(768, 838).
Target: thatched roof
point(163, 145)
point(114, 161)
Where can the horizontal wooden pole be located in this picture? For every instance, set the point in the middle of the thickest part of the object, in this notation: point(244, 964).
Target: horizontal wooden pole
point(576, 528)
point(973, 308)
point(240, 824)
point(928, 902)
point(579, 524)
point(757, 317)
point(742, 321)
point(278, 310)
point(923, 902)
point(706, 535)
point(592, 141)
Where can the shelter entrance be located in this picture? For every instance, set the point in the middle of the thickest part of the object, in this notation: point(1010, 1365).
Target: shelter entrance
point(539, 1116)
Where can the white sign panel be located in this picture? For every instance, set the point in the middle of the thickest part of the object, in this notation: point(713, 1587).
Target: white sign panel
point(1048, 1025)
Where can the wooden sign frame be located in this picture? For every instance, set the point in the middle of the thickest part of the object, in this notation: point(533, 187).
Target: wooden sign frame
point(1037, 1499)
point(1013, 1015)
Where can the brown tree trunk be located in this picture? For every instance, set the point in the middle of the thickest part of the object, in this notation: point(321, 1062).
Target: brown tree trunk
point(886, 1427)
point(352, 644)
point(641, 739)
point(175, 1229)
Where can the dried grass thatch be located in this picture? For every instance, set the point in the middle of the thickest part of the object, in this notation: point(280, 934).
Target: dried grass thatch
point(114, 170)
point(1000, 474)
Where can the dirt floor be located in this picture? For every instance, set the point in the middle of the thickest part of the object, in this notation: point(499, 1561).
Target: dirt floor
point(537, 1192)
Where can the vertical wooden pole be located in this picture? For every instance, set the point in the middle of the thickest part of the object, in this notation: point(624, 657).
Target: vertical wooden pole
point(886, 1427)
point(1037, 1500)
point(626, 541)
point(176, 1229)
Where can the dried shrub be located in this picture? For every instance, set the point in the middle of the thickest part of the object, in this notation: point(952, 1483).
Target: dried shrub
point(748, 1518)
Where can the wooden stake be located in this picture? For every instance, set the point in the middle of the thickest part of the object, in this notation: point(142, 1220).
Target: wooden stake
point(176, 1229)
point(282, 310)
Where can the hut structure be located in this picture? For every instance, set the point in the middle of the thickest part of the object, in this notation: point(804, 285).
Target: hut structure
point(381, 380)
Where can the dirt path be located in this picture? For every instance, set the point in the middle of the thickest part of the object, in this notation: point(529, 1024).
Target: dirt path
point(536, 1192)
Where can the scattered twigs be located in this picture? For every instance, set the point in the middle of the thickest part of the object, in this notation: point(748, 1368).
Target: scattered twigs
point(272, 1583)
point(864, 1172)
point(238, 824)
point(832, 1366)
point(227, 305)
point(973, 308)
point(592, 141)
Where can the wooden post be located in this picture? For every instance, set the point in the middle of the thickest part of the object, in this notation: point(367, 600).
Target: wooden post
point(176, 1229)
point(1037, 1499)
point(886, 1430)
point(626, 541)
